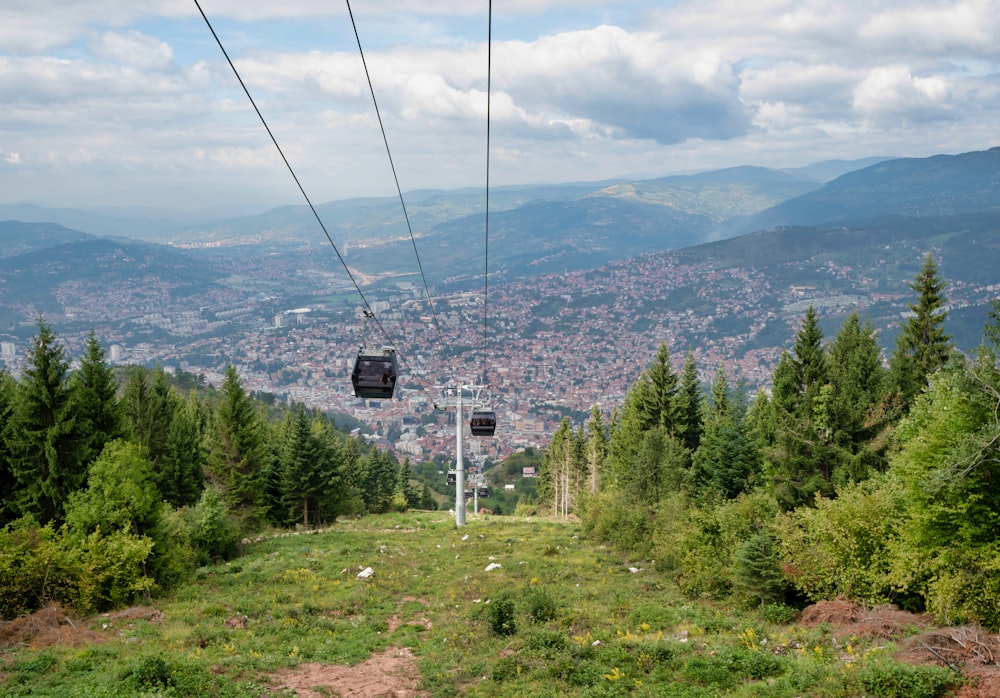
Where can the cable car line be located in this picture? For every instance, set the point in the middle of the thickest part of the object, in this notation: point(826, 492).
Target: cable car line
point(392, 166)
point(292, 172)
point(489, 93)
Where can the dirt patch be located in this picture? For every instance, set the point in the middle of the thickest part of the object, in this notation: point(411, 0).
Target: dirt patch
point(849, 619)
point(392, 673)
point(395, 622)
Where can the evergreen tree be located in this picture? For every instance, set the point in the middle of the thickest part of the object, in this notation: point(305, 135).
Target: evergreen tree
point(853, 418)
point(721, 401)
point(991, 331)
point(922, 346)
point(43, 433)
point(148, 409)
point(801, 462)
point(304, 471)
point(180, 472)
point(661, 467)
point(657, 397)
point(554, 477)
point(8, 483)
point(757, 569)
point(236, 453)
point(689, 405)
point(727, 461)
point(338, 497)
point(95, 401)
point(381, 474)
point(596, 451)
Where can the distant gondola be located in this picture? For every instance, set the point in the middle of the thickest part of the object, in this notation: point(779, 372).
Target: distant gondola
point(374, 374)
point(483, 422)
point(483, 491)
point(451, 478)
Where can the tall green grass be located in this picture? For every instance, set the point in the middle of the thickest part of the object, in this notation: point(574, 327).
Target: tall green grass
point(561, 616)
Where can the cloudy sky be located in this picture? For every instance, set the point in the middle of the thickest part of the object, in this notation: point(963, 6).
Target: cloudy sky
point(118, 103)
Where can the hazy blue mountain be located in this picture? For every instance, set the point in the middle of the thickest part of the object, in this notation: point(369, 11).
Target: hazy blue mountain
point(938, 185)
point(52, 277)
point(98, 224)
point(719, 194)
point(18, 237)
point(831, 169)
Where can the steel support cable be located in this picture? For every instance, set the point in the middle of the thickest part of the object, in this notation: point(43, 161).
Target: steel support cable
point(392, 166)
point(294, 176)
point(489, 92)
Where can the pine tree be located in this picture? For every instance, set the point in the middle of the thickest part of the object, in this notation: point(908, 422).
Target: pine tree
point(657, 394)
point(95, 399)
point(43, 433)
point(757, 569)
point(8, 483)
point(339, 497)
point(922, 346)
point(181, 468)
point(689, 405)
point(557, 463)
point(236, 454)
point(596, 450)
point(381, 474)
point(801, 462)
point(721, 401)
point(857, 390)
point(304, 471)
point(727, 461)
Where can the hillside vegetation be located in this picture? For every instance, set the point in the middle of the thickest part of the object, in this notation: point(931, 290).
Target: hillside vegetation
point(504, 606)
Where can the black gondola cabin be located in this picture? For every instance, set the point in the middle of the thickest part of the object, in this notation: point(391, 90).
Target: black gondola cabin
point(374, 374)
point(483, 422)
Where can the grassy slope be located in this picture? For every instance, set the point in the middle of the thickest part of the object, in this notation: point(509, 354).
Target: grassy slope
point(612, 631)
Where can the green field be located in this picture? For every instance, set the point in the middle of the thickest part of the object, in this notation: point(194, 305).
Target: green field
point(560, 616)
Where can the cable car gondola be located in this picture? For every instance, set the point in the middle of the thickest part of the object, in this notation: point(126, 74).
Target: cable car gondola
point(483, 422)
point(451, 478)
point(374, 374)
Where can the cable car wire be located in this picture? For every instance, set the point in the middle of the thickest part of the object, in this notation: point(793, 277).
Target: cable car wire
point(489, 92)
point(292, 172)
point(392, 166)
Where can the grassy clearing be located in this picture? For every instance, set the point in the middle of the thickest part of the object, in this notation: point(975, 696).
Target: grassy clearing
point(560, 616)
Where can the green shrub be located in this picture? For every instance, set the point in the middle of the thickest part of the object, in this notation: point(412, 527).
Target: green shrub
point(888, 679)
point(214, 534)
point(505, 669)
point(778, 614)
point(614, 518)
point(540, 605)
point(500, 616)
point(148, 672)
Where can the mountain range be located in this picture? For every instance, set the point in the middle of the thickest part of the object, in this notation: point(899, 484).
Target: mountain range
point(882, 214)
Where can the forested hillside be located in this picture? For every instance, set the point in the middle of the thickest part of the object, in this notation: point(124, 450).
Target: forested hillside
point(110, 492)
point(851, 478)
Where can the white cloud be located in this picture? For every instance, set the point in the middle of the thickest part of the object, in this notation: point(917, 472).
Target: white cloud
point(891, 97)
point(580, 89)
point(134, 49)
point(13, 159)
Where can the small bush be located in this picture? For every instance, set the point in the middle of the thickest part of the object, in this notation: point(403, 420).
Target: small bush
point(541, 606)
point(506, 669)
point(148, 672)
point(887, 679)
point(500, 616)
point(778, 614)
